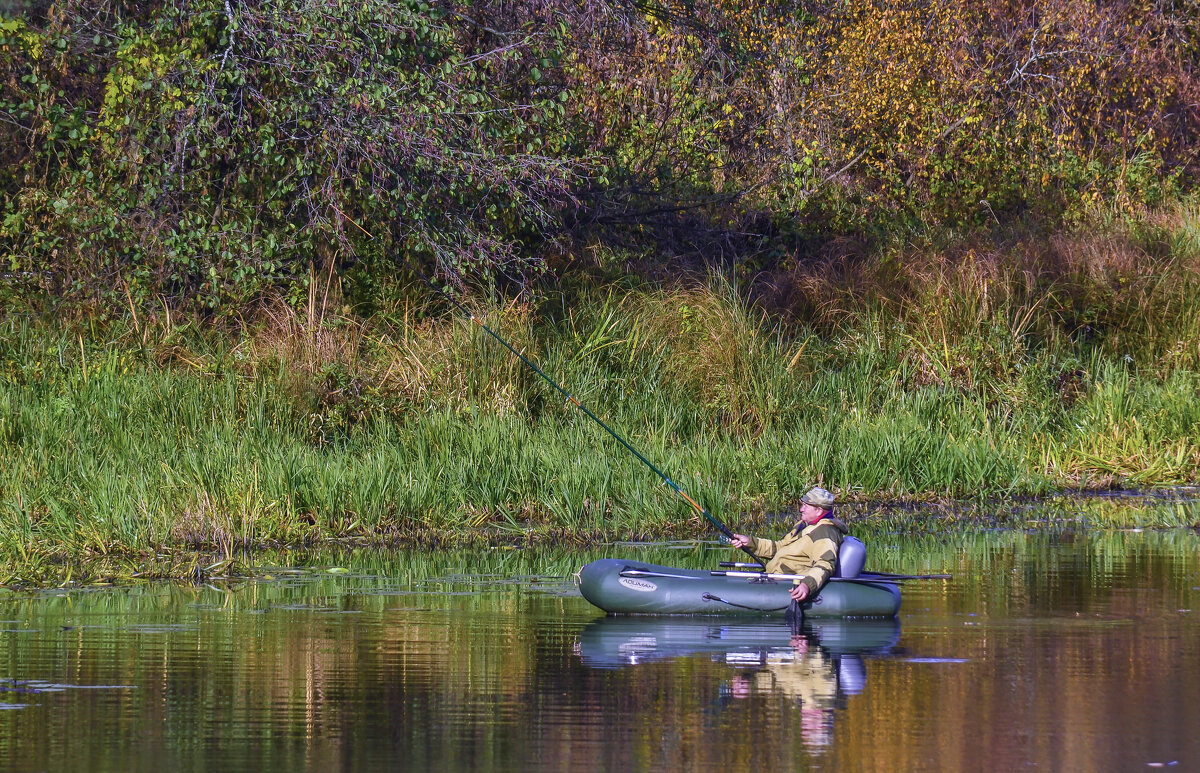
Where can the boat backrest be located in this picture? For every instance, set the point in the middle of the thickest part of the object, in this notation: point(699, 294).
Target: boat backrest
point(851, 557)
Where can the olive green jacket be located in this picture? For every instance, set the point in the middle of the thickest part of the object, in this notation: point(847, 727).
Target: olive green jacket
point(810, 551)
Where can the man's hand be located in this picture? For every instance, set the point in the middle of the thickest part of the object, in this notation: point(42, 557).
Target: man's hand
point(739, 541)
point(799, 592)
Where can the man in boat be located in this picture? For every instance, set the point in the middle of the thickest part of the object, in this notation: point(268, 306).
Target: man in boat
point(809, 550)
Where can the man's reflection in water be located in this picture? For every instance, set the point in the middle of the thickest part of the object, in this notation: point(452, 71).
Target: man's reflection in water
point(811, 670)
point(806, 675)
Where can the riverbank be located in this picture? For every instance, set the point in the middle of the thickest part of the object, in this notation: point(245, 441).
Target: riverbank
point(943, 529)
point(958, 377)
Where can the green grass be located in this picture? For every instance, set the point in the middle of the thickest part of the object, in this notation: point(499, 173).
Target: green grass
point(954, 379)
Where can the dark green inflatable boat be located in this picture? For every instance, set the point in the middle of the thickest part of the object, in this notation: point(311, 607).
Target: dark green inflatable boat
point(621, 586)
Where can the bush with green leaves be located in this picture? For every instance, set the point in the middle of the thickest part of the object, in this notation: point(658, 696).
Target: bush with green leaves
point(205, 152)
point(209, 153)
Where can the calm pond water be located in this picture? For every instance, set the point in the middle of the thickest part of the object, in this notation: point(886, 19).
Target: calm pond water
point(1051, 651)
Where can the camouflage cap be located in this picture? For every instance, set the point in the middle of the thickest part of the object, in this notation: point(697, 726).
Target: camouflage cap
point(818, 497)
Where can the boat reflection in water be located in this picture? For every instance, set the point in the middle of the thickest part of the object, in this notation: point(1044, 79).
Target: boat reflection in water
point(815, 668)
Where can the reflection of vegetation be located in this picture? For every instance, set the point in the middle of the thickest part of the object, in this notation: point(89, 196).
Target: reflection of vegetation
point(436, 656)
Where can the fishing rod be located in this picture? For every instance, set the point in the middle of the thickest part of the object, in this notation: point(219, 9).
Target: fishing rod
point(722, 528)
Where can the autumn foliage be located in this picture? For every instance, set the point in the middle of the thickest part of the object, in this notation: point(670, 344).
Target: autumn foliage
point(205, 153)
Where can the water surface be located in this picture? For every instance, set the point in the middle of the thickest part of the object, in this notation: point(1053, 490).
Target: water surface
point(1051, 651)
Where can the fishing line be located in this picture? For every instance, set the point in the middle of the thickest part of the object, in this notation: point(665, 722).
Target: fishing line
point(722, 528)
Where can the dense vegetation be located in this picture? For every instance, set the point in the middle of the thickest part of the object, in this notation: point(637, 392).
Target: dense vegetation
point(155, 431)
point(912, 250)
point(206, 153)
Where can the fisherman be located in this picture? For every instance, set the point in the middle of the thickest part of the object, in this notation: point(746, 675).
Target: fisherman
point(809, 550)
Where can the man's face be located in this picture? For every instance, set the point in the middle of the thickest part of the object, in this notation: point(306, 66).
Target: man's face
point(810, 513)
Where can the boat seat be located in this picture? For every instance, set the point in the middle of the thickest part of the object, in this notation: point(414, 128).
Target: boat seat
point(851, 557)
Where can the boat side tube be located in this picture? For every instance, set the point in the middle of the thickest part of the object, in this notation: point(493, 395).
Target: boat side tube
point(631, 587)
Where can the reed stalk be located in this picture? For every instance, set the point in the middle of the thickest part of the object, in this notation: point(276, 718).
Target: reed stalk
point(971, 377)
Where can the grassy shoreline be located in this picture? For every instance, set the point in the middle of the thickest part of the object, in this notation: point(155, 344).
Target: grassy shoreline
point(932, 377)
point(1170, 510)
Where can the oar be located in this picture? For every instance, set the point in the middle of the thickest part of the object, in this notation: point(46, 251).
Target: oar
point(751, 575)
point(720, 527)
point(794, 616)
point(648, 573)
point(867, 576)
point(884, 576)
point(902, 577)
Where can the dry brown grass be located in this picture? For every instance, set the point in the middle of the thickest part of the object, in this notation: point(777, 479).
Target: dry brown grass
point(410, 359)
point(1128, 287)
point(305, 346)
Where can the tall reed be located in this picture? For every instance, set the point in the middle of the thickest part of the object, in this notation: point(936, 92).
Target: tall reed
point(965, 375)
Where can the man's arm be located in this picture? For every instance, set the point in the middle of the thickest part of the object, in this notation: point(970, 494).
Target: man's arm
point(823, 553)
point(763, 548)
